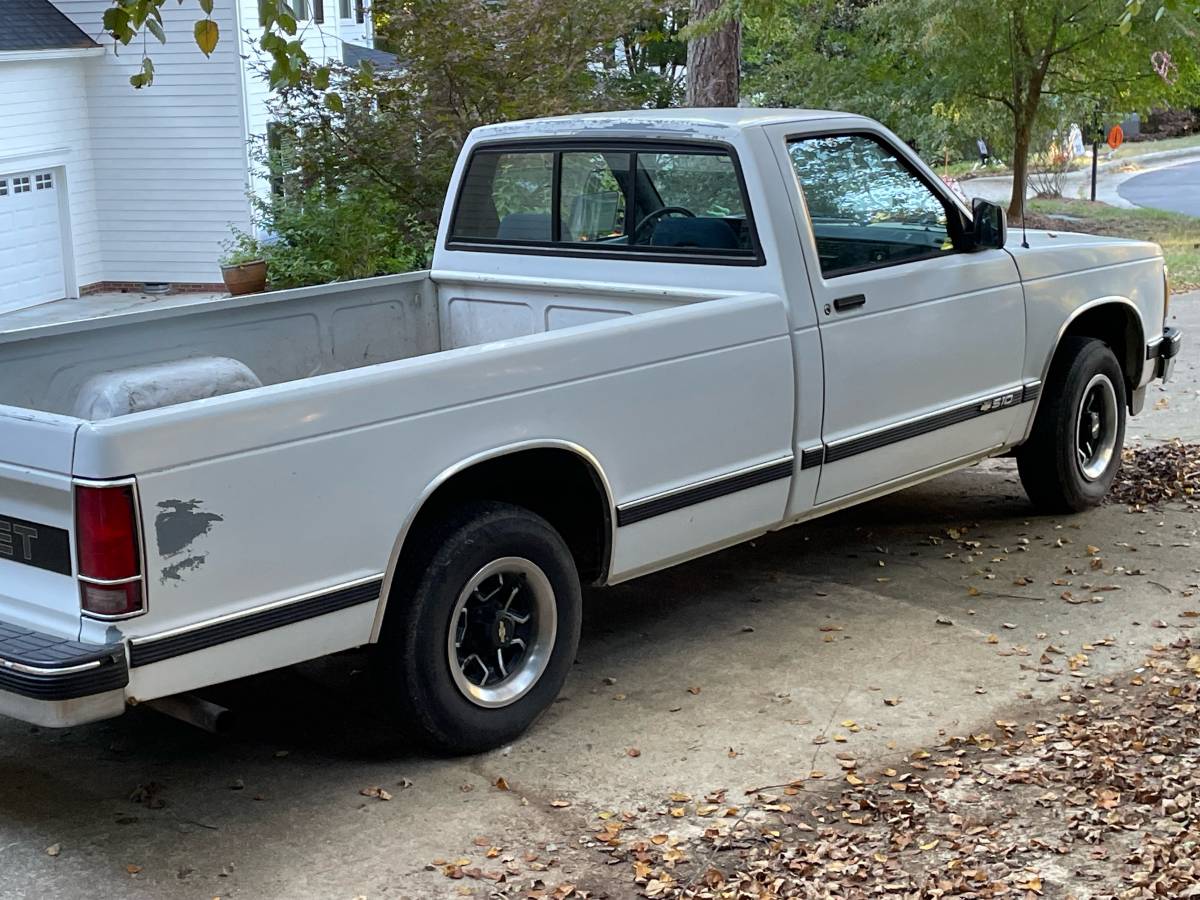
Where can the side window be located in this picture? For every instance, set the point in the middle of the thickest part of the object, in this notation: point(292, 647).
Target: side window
point(616, 199)
point(867, 209)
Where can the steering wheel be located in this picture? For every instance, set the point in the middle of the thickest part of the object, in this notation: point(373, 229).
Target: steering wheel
point(659, 213)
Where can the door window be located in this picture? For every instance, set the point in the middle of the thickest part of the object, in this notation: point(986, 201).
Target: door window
point(867, 208)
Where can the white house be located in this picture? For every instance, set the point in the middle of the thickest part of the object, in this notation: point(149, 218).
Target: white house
point(103, 187)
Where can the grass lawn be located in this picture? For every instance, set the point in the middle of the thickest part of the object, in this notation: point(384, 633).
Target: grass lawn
point(1137, 148)
point(966, 169)
point(1177, 234)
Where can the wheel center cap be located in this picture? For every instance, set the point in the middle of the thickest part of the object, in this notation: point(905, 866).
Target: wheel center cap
point(501, 632)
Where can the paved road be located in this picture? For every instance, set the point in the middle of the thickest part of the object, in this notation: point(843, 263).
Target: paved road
point(1176, 188)
point(778, 640)
point(1113, 176)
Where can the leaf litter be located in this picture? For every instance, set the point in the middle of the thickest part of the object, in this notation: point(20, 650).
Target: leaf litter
point(1099, 797)
point(1158, 473)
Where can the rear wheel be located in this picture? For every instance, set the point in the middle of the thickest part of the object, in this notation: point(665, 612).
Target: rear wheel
point(1073, 454)
point(482, 643)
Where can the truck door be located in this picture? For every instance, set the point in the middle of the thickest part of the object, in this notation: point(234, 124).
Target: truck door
point(922, 342)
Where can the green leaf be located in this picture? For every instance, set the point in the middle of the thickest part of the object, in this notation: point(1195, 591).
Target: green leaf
point(268, 12)
point(207, 6)
point(116, 23)
point(1159, 14)
point(320, 78)
point(279, 73)
point(157, 30)
point(334, 103)
point(145, 77)
point(207, 34)
point(287, 22)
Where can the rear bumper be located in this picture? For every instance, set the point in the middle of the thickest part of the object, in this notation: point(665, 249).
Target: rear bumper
point(1164, 352)
point(56, 682)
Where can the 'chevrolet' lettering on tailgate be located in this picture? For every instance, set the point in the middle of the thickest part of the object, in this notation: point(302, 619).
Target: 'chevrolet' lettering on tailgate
point(33, 544)
point(22, 536)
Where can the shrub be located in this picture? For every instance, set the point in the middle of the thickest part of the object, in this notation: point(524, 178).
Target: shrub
point(318, 236)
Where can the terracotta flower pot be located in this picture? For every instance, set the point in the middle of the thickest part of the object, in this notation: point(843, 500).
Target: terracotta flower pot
point(245, 278)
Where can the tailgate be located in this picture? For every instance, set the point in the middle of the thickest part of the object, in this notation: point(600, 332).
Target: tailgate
point(37, 590)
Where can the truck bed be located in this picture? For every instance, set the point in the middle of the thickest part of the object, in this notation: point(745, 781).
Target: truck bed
point(178, 354)
point(279, 337)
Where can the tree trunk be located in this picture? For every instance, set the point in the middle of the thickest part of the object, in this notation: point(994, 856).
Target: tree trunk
point(714, 60)
point(1022, 135)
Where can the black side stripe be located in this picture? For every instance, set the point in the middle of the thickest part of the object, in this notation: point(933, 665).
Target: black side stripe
point(739, 481)
point(811, 457)
point(848, 447)
point(142, 653)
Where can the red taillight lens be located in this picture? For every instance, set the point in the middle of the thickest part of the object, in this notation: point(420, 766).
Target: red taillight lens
point(110, 566)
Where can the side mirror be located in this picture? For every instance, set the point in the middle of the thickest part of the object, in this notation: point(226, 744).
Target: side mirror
point(989, 225)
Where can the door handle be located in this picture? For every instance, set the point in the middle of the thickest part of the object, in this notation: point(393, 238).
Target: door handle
point(841, 304)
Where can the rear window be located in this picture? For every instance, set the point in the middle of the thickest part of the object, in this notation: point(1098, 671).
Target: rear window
point(646, 202)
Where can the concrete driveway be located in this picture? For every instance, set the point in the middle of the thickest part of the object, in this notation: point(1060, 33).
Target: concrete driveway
point(719, 673)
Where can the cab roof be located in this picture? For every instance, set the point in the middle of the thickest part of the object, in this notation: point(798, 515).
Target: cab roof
point(716, 122)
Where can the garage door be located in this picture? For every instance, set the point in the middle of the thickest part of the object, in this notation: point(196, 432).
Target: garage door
point(31, 253)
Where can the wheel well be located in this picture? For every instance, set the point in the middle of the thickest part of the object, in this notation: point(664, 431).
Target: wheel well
point(558, 484)
point(1119, 327)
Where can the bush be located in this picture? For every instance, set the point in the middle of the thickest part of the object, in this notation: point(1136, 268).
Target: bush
point(318, 236)
point(1168, 123)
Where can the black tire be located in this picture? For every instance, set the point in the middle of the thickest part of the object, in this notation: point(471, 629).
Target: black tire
point(413, 654)
point(1049, 462)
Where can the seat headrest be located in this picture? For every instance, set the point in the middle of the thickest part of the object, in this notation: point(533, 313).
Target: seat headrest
point(697, 232)
point(524, 227)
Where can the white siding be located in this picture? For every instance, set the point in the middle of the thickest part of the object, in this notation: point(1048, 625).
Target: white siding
point(169, 160)
point(44, 110)
point(322, 42)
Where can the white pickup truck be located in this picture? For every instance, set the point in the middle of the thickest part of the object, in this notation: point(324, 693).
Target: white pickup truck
point(645, 336)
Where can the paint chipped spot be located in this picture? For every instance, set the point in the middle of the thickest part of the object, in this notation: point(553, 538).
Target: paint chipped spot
point(178, 525)
point(174, 572)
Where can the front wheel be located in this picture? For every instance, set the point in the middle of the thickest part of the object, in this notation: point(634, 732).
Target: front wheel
point(1072, 456)
point(480, 645)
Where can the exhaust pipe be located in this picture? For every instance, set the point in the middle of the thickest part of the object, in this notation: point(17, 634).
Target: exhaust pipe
point(195, 711)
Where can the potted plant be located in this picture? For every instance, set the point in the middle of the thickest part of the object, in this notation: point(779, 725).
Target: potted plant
point(243, 266)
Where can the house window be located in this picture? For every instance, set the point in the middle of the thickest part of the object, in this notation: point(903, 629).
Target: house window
point(360, 11)
point(318, 11)
point(3, 188)
point(44, 181)
point(21, 185)
point(301, 8)
point(285, 178)
point(345, 9)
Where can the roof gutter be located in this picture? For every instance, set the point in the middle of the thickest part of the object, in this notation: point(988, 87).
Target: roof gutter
point(41, 55)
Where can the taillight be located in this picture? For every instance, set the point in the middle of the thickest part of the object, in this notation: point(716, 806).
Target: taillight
point(110, 555)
